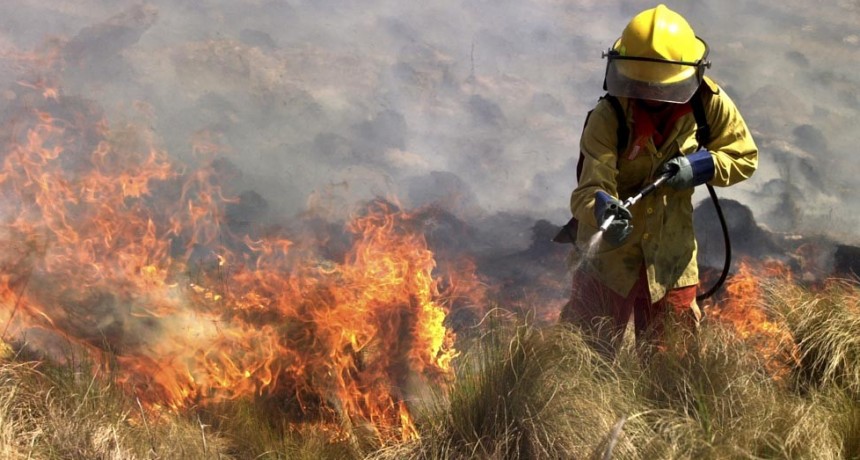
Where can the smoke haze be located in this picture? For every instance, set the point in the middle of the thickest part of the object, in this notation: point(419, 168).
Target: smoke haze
point(473, 104)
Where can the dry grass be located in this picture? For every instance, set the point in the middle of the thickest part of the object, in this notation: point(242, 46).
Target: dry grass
point(522, 391)
point(714, 399)
point(50, 412)
point(57, 413)
point(539, 392)
point(826, 327)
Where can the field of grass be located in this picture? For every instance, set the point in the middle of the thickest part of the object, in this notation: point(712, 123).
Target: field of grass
point(522, 391)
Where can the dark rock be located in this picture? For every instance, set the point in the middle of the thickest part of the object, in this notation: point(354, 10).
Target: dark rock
point(109, 38)
point(257, 38)
point(385, 130)
point(747, 238)
point(485, 111)
point(846, 260)
point(810, 138)
point(248, 210)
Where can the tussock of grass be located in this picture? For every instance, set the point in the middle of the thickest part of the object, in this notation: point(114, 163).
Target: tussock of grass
point(826, 327)
point(51, 412)
point(257, 430)
point(715, 400)
point(525, 391)
point(57, 412)
point(519, 393)
point(522, 391)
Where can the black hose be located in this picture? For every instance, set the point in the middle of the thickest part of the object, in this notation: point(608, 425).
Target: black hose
point(728, 244)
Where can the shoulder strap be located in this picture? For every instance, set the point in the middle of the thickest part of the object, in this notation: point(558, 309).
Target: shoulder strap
point(622, 134)
point(580, 159)
point(567, 234)
point(703, 133)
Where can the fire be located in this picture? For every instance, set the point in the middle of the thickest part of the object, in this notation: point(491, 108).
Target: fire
point(117, 249)
point(743, 308)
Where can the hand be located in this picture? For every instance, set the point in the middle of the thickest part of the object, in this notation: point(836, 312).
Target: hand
point(619, 230)
point(689, 171)
point(606, 206)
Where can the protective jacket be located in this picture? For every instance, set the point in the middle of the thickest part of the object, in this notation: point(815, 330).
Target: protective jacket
point(663, 239)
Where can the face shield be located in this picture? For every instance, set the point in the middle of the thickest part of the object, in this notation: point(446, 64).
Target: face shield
point(653, 78)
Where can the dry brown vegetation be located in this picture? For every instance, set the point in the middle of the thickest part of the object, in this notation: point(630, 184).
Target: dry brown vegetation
point(522, 391)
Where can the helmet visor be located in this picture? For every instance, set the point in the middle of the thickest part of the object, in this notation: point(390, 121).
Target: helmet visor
point(652, 78)
point(620, 85)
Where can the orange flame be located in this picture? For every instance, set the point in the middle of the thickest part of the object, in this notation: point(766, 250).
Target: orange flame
point(743, 308)
point(115, 248)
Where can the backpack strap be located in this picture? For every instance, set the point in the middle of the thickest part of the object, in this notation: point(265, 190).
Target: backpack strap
point(622, 134)
point(567, 234)
point(703, 132)
point(581, 158)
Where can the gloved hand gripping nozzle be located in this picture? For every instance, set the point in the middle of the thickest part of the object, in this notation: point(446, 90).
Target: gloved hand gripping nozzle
point(609, 217)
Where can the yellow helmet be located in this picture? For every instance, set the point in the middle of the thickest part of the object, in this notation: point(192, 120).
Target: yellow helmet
point(658, 57)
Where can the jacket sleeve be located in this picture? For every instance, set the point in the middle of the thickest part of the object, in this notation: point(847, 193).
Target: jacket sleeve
point(599, 167)
point(735, 153)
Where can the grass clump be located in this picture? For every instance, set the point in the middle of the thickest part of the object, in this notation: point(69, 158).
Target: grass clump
point(62, 413)
point(528, 391)
point(826, 326)
point(69, 412)
point(522, 391)
point(260, 430)
point(713, 398)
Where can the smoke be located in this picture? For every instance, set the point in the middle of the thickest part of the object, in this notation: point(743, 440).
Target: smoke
point(474, 104)
point(789, 67)
point(467, 112)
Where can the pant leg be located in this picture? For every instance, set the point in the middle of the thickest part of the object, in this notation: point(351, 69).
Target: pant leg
point(677, 312)
point(598, 311)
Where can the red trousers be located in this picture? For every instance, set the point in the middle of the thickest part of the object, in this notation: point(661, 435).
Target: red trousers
point(603, 314)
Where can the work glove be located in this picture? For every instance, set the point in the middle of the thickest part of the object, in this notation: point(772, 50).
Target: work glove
point(606, 206)
point(689, 171)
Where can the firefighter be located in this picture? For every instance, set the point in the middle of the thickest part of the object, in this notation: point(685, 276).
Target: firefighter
point(644, 265)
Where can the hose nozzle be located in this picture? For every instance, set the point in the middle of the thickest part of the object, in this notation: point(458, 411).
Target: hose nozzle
point(606, 223)
point(635, 198)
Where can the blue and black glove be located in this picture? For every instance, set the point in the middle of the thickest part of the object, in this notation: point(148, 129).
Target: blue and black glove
point(606, 206)
point(689, 171)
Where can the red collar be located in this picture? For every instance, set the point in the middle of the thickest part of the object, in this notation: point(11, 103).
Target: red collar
point(656, 125)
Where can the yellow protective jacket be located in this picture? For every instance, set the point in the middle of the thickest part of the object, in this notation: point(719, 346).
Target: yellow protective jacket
point(662, 239)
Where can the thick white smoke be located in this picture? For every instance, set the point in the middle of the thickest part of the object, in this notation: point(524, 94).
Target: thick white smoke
point(476, 104)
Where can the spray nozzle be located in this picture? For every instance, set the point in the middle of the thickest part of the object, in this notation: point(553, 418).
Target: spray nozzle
point(606, 223)
point(611, 206)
